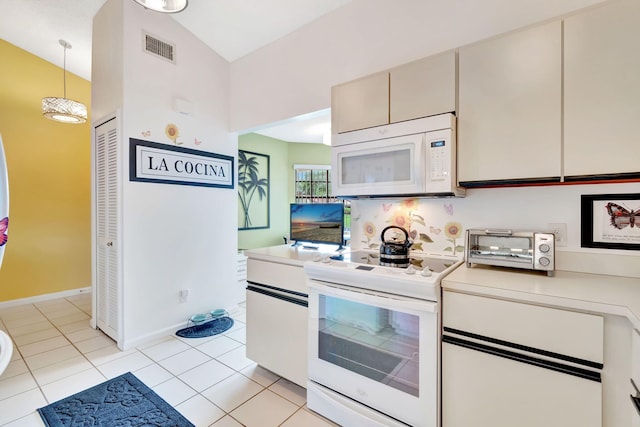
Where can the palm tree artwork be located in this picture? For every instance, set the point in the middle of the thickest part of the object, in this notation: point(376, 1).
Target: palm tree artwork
point(252, 185)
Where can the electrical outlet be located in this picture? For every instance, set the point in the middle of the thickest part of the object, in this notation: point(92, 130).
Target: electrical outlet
point(560, 230)
point(184, 295)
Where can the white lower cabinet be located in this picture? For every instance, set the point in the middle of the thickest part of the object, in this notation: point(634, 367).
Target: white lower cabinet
point(635, 377)
point(508, 364)
point(484, 390)
point(277, 319)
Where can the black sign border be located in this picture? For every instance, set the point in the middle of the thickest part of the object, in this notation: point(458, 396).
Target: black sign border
point(134, 143)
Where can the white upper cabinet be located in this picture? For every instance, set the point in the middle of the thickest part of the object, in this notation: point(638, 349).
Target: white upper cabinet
point(602, 90)
point(423, 88)
point(418, 89)
point(509, 121)
point(360, 104)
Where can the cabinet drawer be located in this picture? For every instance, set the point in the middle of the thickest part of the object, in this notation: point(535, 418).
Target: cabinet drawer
point(563, 332)
point(283, 276)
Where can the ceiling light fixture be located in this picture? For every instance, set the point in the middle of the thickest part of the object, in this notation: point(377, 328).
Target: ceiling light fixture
point(164, 6)
point(63, 109)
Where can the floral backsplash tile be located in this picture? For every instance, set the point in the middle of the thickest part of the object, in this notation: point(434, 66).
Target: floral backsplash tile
point(431, 224)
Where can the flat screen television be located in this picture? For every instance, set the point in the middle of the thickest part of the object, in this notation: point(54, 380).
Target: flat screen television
point(317, 223)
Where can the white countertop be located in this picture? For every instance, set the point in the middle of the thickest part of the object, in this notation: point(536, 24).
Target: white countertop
point(291, 255)
point(596, 293)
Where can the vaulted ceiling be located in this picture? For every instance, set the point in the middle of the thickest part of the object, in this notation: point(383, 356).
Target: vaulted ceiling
point(232, 28)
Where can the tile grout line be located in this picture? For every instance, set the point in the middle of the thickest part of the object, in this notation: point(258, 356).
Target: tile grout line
point(40, 386)
point(141, 351)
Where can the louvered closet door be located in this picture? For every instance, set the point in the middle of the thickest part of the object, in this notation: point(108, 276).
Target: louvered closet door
point(107, 271)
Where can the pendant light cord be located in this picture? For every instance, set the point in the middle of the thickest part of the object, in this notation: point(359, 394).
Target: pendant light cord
point(64, 71)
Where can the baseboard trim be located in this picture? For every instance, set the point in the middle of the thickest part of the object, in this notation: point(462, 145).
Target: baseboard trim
point(44, 297)
point(164, 332)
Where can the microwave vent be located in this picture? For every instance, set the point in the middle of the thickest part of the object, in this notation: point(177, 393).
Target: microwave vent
point(159, 48)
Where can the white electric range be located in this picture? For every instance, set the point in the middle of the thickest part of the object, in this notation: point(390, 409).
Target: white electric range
point(374, 334)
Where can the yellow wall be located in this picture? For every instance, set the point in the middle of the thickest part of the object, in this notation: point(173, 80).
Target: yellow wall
point(49, 247)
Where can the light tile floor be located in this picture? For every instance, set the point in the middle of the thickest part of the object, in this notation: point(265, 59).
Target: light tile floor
point(209, 380)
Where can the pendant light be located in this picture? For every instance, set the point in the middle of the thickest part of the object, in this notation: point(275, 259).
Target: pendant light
point(164, 6)
point(63, 109)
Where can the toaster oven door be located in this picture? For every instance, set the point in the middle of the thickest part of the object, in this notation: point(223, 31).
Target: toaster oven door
point(508, 251)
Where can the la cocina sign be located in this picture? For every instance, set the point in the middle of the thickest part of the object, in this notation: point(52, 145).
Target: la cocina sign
point(153, 162)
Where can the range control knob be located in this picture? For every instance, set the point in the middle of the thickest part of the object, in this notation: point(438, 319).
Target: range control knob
point(426, 272)
point(410, 270)
point(544, 261)
point(544, 248)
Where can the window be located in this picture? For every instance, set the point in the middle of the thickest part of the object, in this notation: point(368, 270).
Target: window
point(313, 185)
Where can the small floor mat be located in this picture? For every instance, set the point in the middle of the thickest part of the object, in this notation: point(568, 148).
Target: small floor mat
point(207, 329)
point(121, 401)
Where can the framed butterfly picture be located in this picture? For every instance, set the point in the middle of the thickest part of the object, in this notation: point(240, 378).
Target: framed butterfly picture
point(611, 221)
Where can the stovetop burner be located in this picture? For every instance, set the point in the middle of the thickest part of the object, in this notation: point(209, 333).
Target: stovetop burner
point(419, 262)
point(362, 269)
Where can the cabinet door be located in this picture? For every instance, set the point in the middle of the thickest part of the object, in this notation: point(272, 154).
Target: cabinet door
point(480, 389)
point(602, 90)
point(360, 104)
point(107, 292)
point(277, 335)
point(423, 88)
point(510, 107)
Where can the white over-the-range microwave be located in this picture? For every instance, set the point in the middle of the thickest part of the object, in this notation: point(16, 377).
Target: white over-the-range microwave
point(411, 158)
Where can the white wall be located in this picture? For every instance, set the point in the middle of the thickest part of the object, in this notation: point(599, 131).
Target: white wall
point(174, 236)
point(297, 71)
point(366, 36)
point(107, 60)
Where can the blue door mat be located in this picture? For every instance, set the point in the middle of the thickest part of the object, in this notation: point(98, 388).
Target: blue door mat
point(207, 329)
point(120, 401)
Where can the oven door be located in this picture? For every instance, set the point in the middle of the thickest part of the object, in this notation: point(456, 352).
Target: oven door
point(379, 350)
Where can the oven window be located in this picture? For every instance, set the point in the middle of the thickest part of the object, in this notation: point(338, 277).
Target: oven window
point(374, 342)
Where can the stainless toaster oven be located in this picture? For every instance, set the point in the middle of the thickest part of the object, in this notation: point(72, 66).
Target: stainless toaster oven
point(529, 250)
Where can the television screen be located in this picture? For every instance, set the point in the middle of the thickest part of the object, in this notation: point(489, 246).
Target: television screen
point(317, 223)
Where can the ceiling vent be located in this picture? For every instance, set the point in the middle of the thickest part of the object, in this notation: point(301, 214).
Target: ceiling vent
point(159, 48)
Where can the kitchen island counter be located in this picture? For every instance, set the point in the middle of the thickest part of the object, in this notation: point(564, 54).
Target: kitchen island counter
point(291, 255)
point(277, 293)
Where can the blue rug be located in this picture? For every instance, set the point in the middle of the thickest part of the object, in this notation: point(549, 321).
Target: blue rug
point(207, 329)
point(124, 401)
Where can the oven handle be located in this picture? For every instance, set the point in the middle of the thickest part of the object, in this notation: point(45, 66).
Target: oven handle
point(374, 297)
